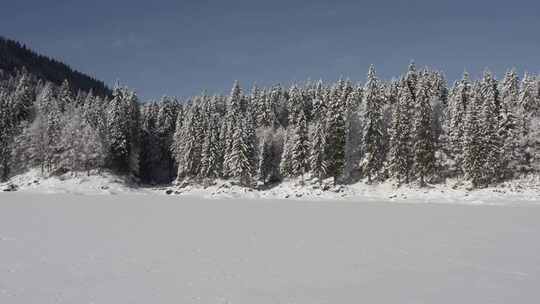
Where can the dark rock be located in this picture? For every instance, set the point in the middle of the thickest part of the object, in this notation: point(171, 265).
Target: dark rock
point(10, 188)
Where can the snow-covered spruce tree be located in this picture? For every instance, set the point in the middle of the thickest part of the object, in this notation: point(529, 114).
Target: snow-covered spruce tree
point(49, 109)
point(166, 127)
point(373, 133)
point(124, 125)
point(489, 120)
point(300, 147)
point(295, 109)
point(231, 122)
point(353, 130)
point(472, 140)
point(459, 101)
point(411, 78)
point(319, 108)
point(188, 143)
point(400, 154)
point(317, 159)
point(526, 113)
point(243, 158)
point(64, 96)
point(295, 104)
point(509, 125)
point(211, 154)
point(7, 124)
point(24, 97)
point(424, 143)
point(265, 115)
point(335, 124)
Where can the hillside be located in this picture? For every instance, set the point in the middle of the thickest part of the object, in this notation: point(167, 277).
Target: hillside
point(14, 56)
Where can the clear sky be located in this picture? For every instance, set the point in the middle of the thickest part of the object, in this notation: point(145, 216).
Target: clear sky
point(183, 47)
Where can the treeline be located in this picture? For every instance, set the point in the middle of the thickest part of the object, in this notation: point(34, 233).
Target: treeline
point(14, 56)
point(415, 129)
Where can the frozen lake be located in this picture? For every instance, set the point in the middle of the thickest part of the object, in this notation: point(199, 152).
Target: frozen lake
point(62, 248)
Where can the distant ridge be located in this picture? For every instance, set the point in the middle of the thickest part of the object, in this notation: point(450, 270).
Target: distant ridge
point(15, 55)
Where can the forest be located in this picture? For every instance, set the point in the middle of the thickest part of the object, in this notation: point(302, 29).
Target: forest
point(412, 130)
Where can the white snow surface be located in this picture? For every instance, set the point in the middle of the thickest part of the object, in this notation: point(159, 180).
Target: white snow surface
point(521, 191)
point(346, 245)
point(66, 248)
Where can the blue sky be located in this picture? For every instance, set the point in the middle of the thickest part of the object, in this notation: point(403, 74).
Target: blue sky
point(183, 47)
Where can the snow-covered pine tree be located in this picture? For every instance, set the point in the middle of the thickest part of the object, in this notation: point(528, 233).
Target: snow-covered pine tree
point(188, 143)
point(472, 139)
point(373, 133)
point(64, 96)
point(459, 102)
point(295, 109)
point(243, 159)
point(24, 97)
point(166, 127)
point(411, 79)
point(319, 109)
point(211, 157)
point(509, 125)
point(124, 131)
point(335, 124)
point(424, 143)
point(400, 155)
point(317, 159)
point(7, 124)
point(527, 114)
point(300, 147)
point(489, 120)
point(230, 124)
point(48, 108)
point(353, 130)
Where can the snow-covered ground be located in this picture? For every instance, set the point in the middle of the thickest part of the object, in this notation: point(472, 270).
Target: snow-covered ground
point(130, 248)
point(522, 191)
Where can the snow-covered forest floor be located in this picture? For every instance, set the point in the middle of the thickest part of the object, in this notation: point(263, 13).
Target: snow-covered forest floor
point(524, 190)
point(130, 248)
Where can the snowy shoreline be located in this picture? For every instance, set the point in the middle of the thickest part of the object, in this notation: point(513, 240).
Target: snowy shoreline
point(509, 193)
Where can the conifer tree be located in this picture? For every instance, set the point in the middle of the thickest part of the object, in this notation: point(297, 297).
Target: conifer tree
point(489, 116)
point(230, 124)
point(472, 140)
point(424, 144)
point(509, 124)
point(459, 102)
point(353, 130)
point(400, 154)
point(300, 147)
point(335, 124)
point(188, 144)
point(243, 153)
point(372, 135)
point(318, 162)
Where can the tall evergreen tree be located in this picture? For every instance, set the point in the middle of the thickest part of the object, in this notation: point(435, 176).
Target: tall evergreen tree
point(489, 116)
point(318, 162)
point(300, 147)
point(459, 101)
point(424, 143)
point(400, 154)
point(472, 139)
point(372, 135)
